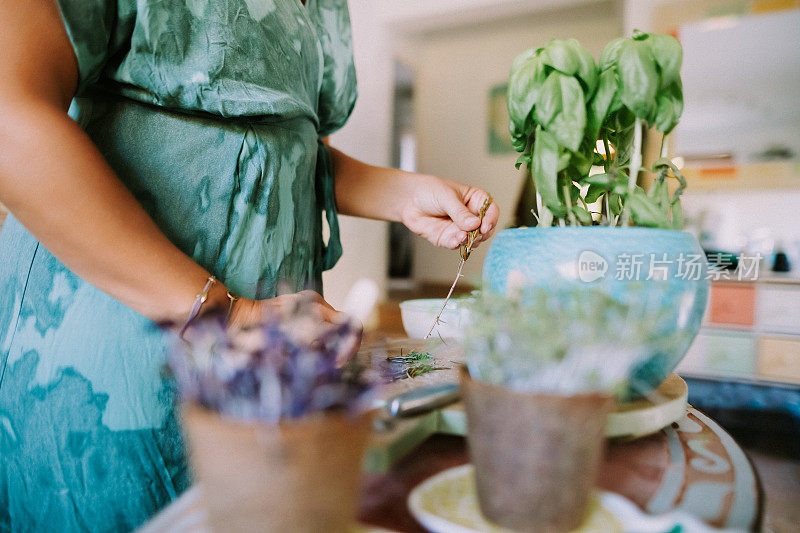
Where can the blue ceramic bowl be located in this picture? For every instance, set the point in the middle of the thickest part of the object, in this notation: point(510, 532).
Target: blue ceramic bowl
point(667, 268)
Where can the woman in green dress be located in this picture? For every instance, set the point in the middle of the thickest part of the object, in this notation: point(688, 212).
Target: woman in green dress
point(146, 145)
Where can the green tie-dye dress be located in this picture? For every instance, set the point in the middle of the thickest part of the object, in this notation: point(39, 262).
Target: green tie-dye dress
point(210, 112)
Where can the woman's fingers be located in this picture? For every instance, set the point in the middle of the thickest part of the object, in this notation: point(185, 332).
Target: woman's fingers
point(453, 204)
point(444, 233)
point(326, 311)
point(489, 221)
point(475, 201)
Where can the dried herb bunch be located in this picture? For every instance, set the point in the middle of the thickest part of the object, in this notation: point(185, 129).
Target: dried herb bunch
point(284, 368)
point(412, 365)
point(565, 340)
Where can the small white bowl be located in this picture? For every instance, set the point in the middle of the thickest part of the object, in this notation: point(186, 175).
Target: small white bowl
point(418, 316)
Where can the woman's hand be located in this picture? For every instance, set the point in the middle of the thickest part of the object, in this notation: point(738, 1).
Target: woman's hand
point(249, 312)
point(443, 212)
point(246, 313)
point(440, 210)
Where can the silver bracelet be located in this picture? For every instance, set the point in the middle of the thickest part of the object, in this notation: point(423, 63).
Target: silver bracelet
point(199, 300)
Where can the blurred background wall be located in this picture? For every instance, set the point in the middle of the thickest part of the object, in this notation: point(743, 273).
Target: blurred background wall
point(454, 50)
point(427, 70)
point(456, 69)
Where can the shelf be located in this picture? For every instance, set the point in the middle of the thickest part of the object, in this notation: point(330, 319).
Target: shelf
point(760, 176)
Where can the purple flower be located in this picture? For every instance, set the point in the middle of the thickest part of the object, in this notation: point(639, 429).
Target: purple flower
point(285, 367)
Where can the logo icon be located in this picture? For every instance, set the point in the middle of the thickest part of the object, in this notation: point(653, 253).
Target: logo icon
point(591, 266)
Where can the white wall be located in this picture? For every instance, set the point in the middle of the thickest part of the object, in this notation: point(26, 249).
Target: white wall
point(737, 219)
point(366, 136)
point(455, 70)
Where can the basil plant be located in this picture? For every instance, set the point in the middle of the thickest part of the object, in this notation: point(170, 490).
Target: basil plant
point(563, 107)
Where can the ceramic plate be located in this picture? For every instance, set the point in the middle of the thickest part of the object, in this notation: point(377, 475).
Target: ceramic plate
point(447, 503)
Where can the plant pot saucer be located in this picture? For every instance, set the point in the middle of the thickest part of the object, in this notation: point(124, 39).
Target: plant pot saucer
point(629, 420)
point(448, 503)
point(645, 416)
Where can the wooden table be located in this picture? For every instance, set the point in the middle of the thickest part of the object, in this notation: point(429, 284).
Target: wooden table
point(693, 465)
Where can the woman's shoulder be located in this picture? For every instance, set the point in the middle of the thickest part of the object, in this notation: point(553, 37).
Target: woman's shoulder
point(232, 58)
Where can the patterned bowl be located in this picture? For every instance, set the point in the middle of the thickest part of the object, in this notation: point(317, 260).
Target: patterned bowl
point(662, 274)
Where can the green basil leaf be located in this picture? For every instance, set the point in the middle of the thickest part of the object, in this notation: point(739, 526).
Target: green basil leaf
point(524, 85)
point(523, 57)
point(615, 203)
point(594, 193)
point(662, 196)
point(587, 70)
point(519, 139)
point(638, 77)
point(544, 163)
point(664, 162)
point(574, 192)
point(669, 107)
point(581, 163)
point(659, 192)
point(677, 214)
point(616, 101)
point(519, 144)
point(564, 159)
point(562, 56)
point(524, 159)
point(601, 102)
point(604, 181)
point(568, 125)
point(620, 187)
point(549, 102)
point(582, 215)
point(646, 212)
point(668, 53)
point(622, 135)
point(610, 54)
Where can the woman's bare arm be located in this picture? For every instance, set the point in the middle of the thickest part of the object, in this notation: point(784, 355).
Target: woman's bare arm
point(440, 210)
point(57, 184)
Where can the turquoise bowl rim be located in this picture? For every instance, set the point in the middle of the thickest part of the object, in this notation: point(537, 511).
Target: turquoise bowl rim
point(631, 229)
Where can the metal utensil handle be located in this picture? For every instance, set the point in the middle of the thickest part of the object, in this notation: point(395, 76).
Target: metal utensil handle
point(423, 399)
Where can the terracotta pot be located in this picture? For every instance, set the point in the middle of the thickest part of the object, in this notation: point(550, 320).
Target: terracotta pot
point(297, 476)
point(536, 456)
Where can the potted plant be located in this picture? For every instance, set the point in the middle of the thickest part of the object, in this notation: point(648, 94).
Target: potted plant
point(276, 428)
point(579, 127)
point(537, 396)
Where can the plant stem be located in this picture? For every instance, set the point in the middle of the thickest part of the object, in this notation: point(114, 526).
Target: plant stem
point(606, 168)
point(636, 163)
point(529, 176)
point(567, 198)
point(539, 207)
point(447, 299)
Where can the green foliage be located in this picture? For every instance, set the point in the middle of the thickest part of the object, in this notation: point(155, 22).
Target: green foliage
point(565, 339)
point(638, 77)
point(562, 104)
